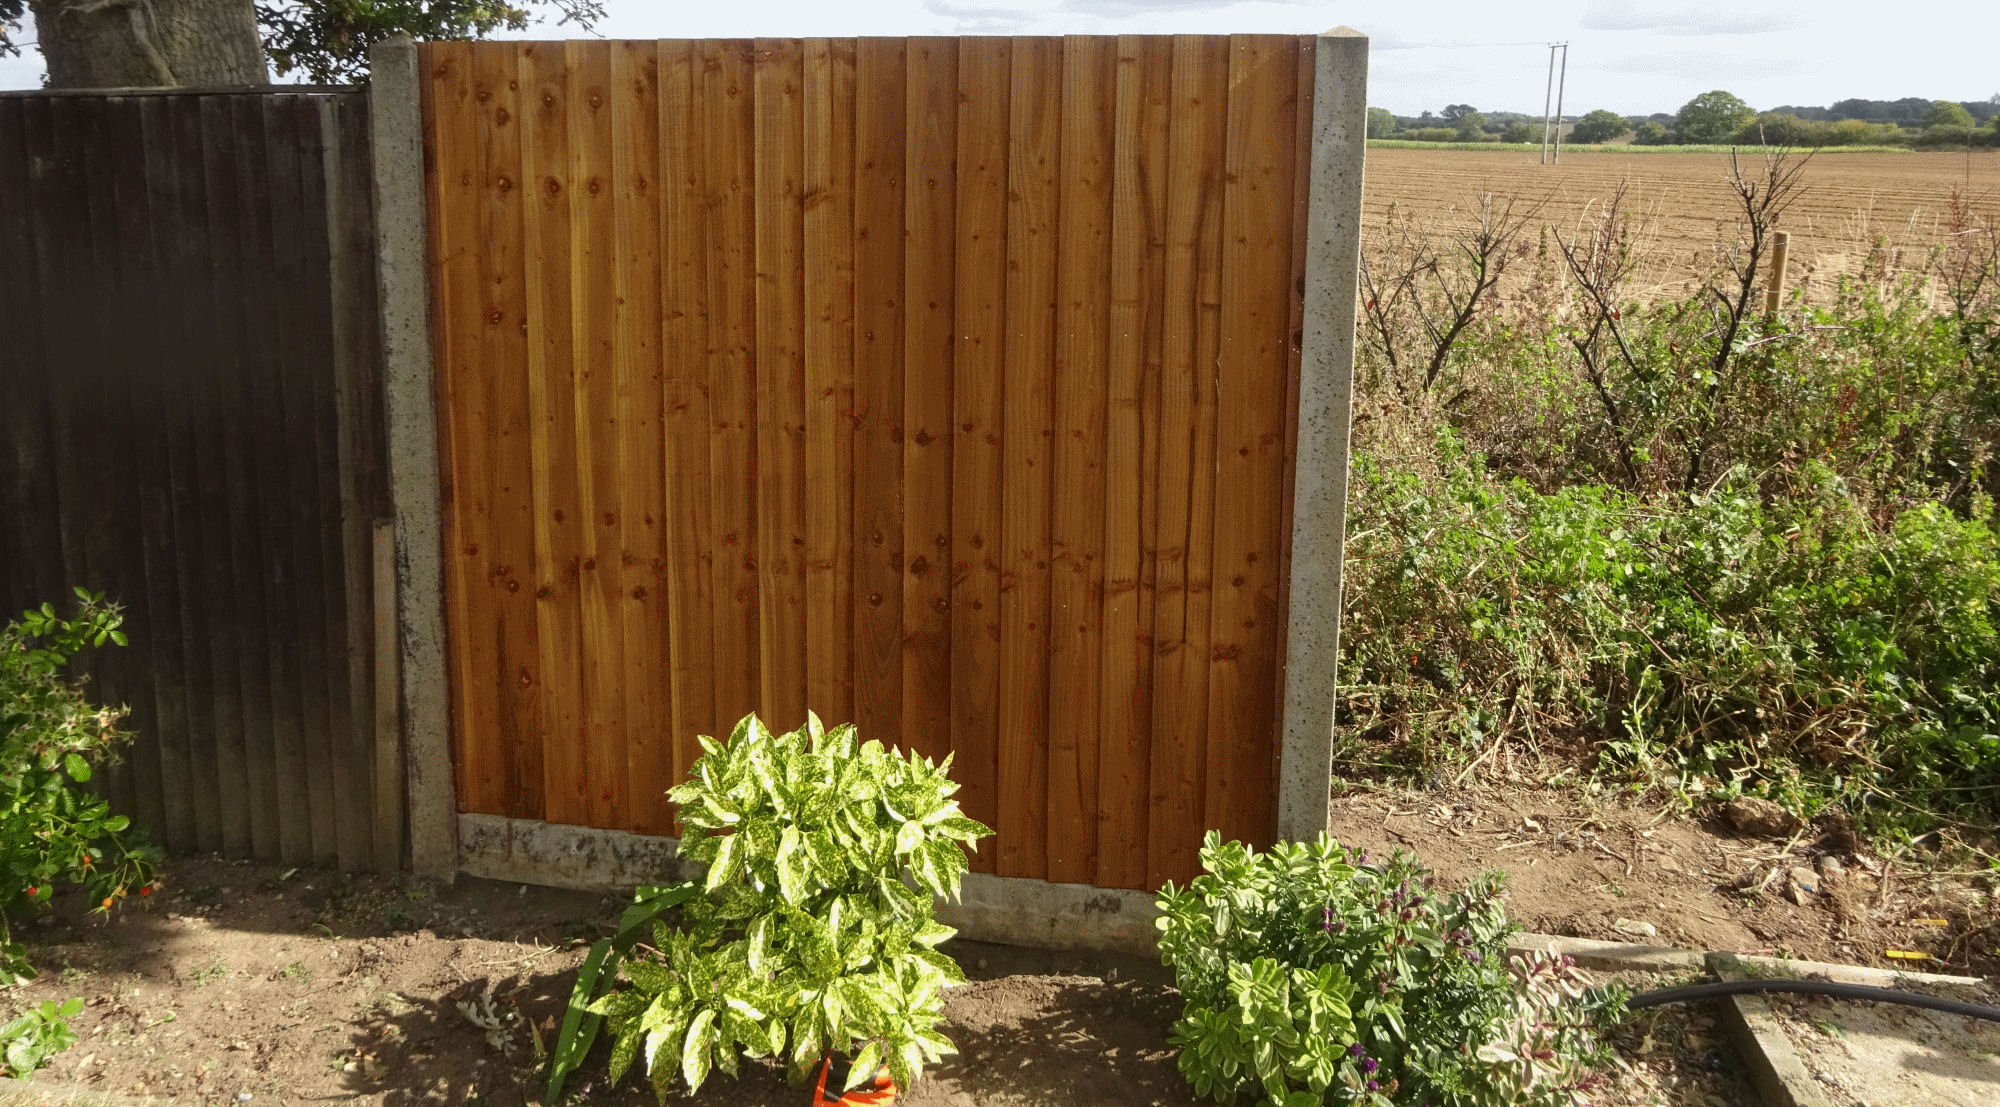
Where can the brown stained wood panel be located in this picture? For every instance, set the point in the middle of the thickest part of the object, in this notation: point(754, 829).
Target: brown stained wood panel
point(779, 141)
point(683, 350)
point(502, 351)
point(936, 384)
point(546, 181)
point(1035, 98)
point(1131, 463)
point(929, 346)
point(829, 375)
point(728, 139)
point(1191, 340)
point(456, 200)
point(600, 433)
point(1256, 313)
point(1076, 529)
point(185, 461)
point(644, 613)
point(879, 142)
point(978, 386)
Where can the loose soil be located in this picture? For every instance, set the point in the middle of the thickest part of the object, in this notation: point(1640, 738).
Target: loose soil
point(295, 985)
point(1685, 208)
point(1587, 867)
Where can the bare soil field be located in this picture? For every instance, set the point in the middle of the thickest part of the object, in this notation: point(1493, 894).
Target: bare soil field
point(1684, 206)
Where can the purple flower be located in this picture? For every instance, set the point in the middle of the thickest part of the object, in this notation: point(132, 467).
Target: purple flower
point(1374, 1087)
point(1369, 1065)
point(1355, 1050)
point(1474, 956)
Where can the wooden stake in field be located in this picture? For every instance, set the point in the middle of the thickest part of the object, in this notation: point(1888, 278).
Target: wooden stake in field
point(1774, 293)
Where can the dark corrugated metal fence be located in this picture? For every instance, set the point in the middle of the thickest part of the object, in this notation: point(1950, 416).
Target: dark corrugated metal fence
point(189, 422)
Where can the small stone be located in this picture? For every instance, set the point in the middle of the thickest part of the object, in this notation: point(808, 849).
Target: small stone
point(1635, 928)
point(1760, 817)
point(981, 963)
point(1831, 870)
point(1803, 884)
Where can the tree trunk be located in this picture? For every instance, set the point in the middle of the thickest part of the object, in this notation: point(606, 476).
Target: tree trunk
point(150, 43)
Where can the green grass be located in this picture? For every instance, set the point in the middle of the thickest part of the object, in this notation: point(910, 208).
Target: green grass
point(1622, 148)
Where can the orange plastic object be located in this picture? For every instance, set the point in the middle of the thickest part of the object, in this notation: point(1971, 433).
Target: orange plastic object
point(879, 1092)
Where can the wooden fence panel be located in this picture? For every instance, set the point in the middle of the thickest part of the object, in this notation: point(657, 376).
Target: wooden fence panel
point(944, 385)
point(192, 427)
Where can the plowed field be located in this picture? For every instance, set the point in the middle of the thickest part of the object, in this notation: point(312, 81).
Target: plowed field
point(1684, 206)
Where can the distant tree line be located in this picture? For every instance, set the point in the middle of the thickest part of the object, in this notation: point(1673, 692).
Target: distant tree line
point(1719, 117)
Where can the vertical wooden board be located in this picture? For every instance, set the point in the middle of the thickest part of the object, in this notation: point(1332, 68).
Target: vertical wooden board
point(315, 499)
point(547, 180)
point(1131, 465)
point(728, 138)
point(686, 353)
point(635, 111)
point(1185, 530)
point(231, 586)
point(829, 376)
point(879, 145)
point(599, 428)
point(978, 387)
point(32, 545)
point(1256, 311)
point(370, 801)
point(273, 751)
point(117, 438)
point(160, 400)
point(503, 355)
point(1035, 96)
point(779, 360)
point(929, 217)
point(1076, 531)
point(451, 130)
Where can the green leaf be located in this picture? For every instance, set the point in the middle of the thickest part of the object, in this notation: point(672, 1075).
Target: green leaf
point(865, 1064)
point(79, 769)
point(696, 1051)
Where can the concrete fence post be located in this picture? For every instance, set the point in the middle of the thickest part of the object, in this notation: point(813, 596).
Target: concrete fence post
point(1326, 377)
point(402, 269)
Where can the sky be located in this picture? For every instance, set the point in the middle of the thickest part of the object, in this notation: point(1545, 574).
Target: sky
point(1631, 56)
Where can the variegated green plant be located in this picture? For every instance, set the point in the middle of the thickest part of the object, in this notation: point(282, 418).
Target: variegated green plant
point(811, 932)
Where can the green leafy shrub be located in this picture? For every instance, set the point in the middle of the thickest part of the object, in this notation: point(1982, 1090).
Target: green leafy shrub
point(1310, 976)
point(1776, 638)
point(37, 1034)
point(51, 829)
point(811, 932)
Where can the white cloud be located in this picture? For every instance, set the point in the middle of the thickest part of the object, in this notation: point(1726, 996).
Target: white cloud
point(1686, 18)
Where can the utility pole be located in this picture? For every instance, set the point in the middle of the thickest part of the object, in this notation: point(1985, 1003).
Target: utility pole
point(1560, 83)
point(1546, 90)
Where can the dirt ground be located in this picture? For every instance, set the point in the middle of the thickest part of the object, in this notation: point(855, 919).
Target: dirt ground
point(1869, 1055)
point(240, 980)
point(1588, 867)
point(1681, 199)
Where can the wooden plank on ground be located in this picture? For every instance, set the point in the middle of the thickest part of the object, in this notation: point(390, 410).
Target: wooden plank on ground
point(728, 136)
point(978, 389)
point(1185, 527)
point(928, 349)
point(593, 265)
point(829, 376)
point(879, 151)
point(779, 360)
point(1035, 97)
point(1076, 532)
point(547, 179)
point(635, 114)
point(1256, 310)
point(1131, 462)
point(686, 356)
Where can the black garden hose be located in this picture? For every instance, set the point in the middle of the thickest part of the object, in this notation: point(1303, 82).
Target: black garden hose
point(1814, 988)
